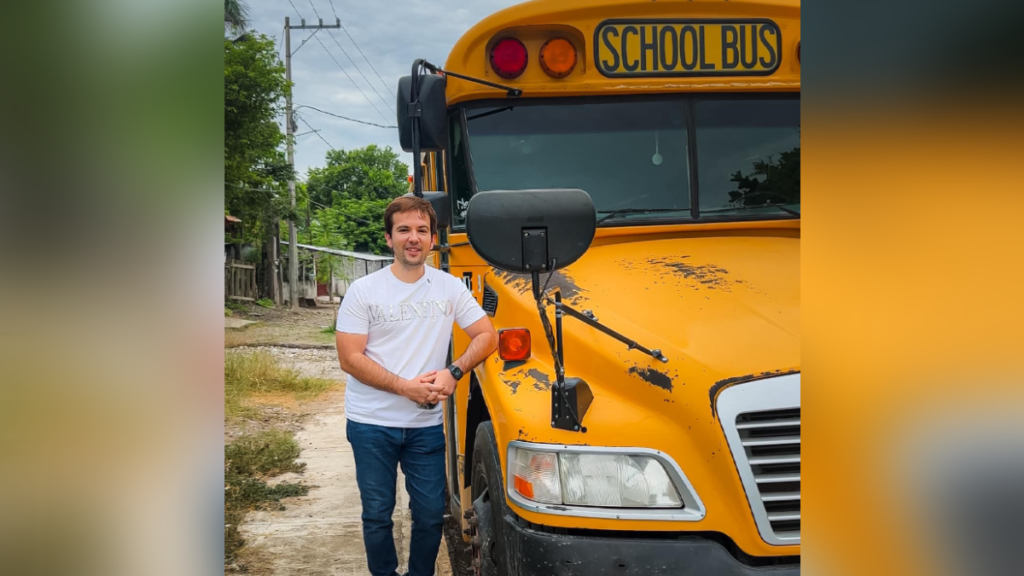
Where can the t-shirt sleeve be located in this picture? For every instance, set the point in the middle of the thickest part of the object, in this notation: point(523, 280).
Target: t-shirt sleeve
point(353, 316)
point(467, 310)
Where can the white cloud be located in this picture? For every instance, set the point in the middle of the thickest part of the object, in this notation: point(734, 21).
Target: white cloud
point(391, 33)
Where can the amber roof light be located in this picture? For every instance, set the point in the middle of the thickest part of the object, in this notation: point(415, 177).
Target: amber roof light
point(558, 57)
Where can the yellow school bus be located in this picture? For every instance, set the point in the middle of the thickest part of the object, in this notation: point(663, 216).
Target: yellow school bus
point(678, 450)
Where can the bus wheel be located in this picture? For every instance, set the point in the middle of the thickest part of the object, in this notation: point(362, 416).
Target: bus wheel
point(486, 529)
point(482, 537)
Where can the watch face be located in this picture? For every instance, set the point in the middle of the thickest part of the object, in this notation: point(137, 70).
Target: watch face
point(456, 372)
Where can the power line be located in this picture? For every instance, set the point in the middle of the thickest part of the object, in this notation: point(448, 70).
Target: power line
point(346, 117)
point(296, 9)
point(350, 78)
point(386, 87)
point(314, 10)
point(370, 84)
point(339, 63)
point(308, 199)
point(335, 208)
point(317, 132)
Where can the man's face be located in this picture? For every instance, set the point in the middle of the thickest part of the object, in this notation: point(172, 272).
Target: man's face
point(410, 238)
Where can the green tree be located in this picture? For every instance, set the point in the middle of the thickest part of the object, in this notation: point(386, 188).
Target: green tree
point(255, 169)
point(236, 14)
point(348, 225)
point(369, 173)
point(361, 224)
point(779, 183)
point(350, 194)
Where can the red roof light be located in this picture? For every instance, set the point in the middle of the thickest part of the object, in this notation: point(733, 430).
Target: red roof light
point(509, 58)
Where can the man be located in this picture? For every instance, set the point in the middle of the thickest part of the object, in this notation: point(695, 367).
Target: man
point(393, 332)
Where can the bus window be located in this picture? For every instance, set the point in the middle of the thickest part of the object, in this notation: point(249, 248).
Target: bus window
point(748, 152)
point(624, 154)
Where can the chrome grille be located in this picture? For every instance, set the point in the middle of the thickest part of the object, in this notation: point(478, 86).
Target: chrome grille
point(770, 441)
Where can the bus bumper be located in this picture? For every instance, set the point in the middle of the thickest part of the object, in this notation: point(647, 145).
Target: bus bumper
point(532, 552)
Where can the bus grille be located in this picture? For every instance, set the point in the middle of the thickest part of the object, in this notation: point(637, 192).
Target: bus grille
point(771, 449)
point(490, 301)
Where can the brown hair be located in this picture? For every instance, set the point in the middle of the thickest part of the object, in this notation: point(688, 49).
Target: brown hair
point(408, 204)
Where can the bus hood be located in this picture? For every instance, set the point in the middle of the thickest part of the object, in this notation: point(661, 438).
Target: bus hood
point(722, 307)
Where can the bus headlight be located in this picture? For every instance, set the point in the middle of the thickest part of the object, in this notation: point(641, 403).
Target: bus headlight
point(602, 479)
point(616, 480)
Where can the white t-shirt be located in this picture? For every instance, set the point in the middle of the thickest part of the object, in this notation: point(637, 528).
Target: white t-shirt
point(408, 328)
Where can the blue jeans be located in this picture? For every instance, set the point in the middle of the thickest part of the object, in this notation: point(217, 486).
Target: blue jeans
point(378, 450)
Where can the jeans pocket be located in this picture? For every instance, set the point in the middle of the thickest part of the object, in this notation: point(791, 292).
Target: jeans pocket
point(436, 438)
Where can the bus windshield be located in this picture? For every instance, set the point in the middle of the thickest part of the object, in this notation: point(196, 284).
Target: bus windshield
point(734, 157)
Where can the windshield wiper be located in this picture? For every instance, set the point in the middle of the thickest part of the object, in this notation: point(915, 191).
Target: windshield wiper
point(490, 113)
point(753, 206)
point(614, 213)
point(592, 321)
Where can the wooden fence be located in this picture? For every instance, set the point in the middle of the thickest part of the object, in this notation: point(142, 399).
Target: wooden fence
point(240, 281)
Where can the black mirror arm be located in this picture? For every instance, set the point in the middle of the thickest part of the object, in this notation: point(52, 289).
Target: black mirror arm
point(556, 351)
point(509, 91)
point(415, 113)
point(632, 344)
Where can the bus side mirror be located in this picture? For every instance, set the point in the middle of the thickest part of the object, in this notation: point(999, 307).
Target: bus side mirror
point(433, 110)
point(537, 232)
point(442, 207)
point(529, 231)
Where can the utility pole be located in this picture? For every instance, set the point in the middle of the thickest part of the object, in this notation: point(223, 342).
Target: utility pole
point(293, 246)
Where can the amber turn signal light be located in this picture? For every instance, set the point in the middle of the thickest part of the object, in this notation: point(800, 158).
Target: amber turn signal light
point(514, 344)
point(558, 57)
point(524, 486)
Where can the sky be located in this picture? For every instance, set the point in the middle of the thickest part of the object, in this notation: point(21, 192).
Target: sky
point(390, 33)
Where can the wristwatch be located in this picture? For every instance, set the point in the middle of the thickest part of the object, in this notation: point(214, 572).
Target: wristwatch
point(456, 372)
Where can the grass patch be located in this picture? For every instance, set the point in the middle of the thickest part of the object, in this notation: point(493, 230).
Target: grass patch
point(227, 312)
point(235, 306)
point(265, 302)
point(247, 373)
point(248, 460)
point(328, 330)
point(234, 338)
point(266, 453)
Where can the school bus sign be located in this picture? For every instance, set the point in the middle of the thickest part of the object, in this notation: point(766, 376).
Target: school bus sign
point(687, 47)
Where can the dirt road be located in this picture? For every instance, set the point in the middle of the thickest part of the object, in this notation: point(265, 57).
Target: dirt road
point(320, 533)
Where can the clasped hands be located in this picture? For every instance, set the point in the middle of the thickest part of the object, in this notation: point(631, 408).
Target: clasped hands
point(429, 387)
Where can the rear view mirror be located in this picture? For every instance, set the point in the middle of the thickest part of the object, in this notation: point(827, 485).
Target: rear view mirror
point(531, 230)
point(442, 207)
point(433, 109)
point(537, 231)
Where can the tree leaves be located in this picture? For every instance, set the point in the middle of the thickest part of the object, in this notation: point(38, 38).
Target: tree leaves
point(351, 193)
point(255, 168)
point(369, 173)
point(781, 183)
